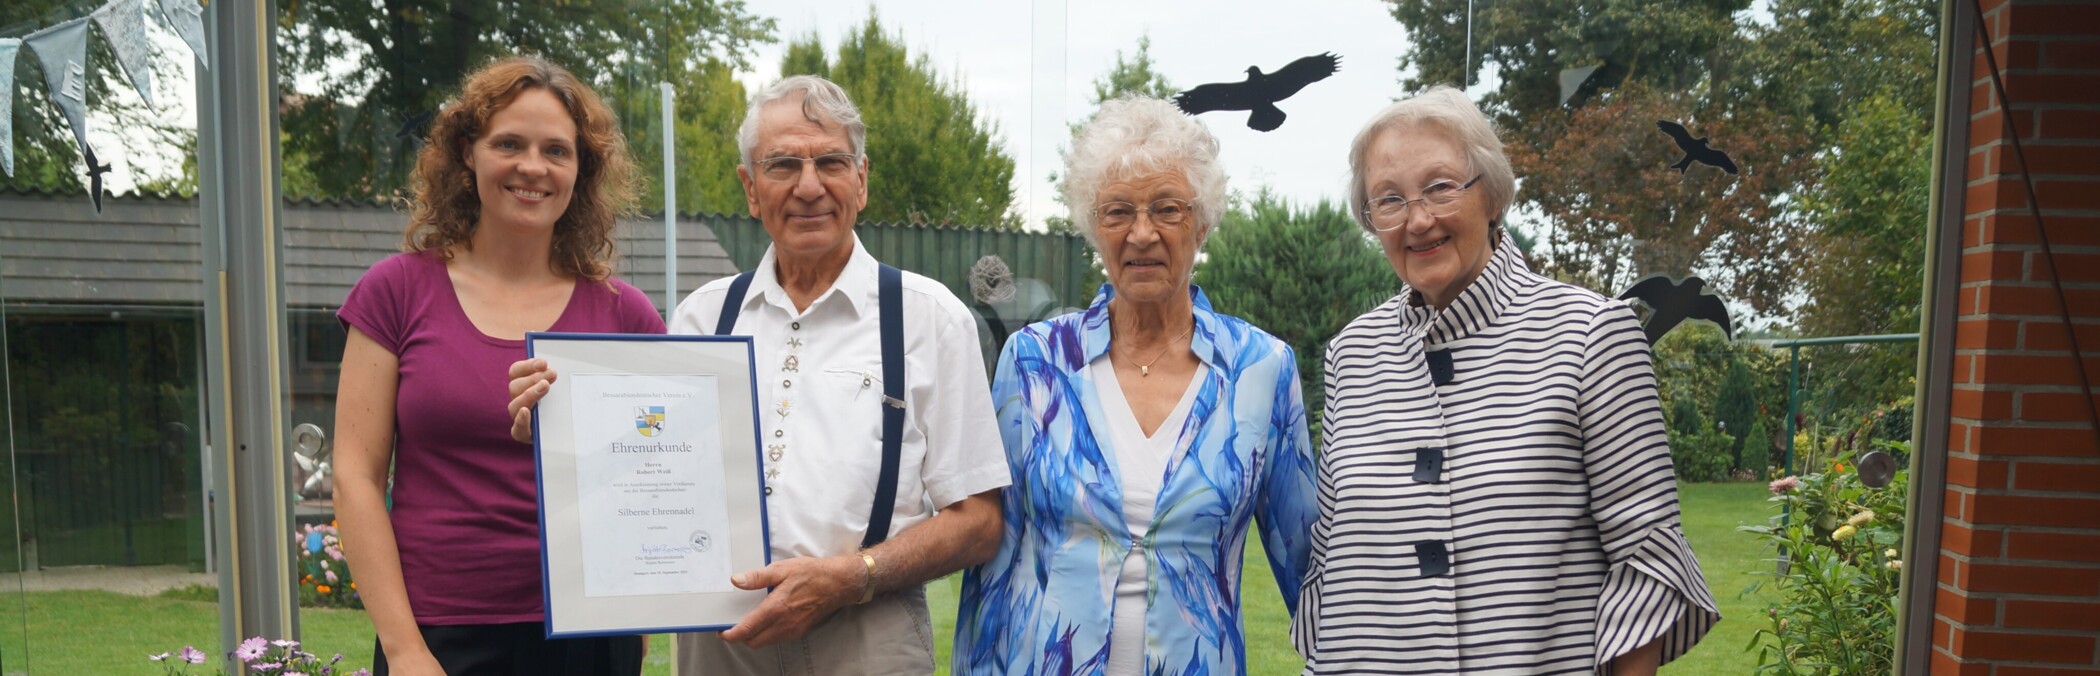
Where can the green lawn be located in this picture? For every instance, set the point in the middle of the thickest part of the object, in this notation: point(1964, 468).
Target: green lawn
point(1730, 560)
point(92, 632)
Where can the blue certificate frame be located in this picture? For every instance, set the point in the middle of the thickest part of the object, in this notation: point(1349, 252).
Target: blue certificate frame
point(629, 523)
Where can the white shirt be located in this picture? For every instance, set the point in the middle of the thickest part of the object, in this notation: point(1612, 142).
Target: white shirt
point(1141, 462)
point(820, 388)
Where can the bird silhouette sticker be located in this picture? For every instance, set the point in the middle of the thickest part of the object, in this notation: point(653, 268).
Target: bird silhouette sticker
point(1695, 149)
point(1260, 91)
point(1672, 302)
point(95, 172)
point(412, 125)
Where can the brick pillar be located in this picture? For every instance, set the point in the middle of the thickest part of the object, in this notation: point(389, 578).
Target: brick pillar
point(2019, 570)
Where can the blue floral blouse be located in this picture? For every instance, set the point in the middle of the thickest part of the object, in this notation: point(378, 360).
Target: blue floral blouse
point(1042, 605)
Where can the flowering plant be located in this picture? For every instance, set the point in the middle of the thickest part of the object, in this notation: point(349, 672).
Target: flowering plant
point(260, 656)
point(324, 576)
point(1838, 571)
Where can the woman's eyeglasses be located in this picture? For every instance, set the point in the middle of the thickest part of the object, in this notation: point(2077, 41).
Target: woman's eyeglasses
point(1440, 199)
point(1166, 213)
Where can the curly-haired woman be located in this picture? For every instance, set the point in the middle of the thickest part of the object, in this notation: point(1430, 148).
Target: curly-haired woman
point(516, 194)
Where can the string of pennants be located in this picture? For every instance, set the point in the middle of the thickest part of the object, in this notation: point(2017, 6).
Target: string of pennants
point(62, 51)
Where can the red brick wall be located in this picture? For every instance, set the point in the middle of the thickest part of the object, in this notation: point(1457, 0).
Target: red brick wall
point(2019, 570)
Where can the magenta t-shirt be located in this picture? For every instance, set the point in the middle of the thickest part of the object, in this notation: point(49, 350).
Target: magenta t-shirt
point(464, 509)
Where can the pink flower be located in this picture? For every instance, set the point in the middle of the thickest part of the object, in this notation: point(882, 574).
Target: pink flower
point(158, 658)
point(192, 655)
point(251, 649)
point(334, 553)
point(331, 577)
point(1782, 486)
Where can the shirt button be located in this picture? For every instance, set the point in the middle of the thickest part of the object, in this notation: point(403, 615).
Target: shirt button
point(779, 433)
point(787, 383)
point(769, 491)
point(795, 325)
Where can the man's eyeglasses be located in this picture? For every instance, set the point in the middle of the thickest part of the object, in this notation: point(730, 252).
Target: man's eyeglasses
point(789, 167)
point(1440, 199)
point(1166, 212)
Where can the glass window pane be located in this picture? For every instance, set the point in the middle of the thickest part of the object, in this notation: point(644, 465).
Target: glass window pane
point(107, 522)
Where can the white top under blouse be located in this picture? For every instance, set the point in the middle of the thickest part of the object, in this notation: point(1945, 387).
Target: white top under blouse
point(1142, 462)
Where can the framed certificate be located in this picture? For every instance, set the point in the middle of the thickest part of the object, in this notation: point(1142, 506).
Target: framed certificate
point(650, 494)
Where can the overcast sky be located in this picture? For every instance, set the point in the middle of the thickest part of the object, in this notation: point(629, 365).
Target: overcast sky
point(1029, 66)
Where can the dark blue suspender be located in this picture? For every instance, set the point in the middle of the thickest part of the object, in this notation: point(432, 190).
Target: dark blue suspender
point(890, 302)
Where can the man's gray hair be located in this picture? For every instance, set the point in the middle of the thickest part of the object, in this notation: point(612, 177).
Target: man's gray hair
point(1446, 110)
point(823, 102)
point(1134, 136)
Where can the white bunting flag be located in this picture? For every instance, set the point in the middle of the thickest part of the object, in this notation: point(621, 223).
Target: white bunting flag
point(123, 24)
point(63, 51)
point(8, 47)
point(187, 18)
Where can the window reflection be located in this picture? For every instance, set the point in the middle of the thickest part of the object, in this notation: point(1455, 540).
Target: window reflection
point(1823, 105)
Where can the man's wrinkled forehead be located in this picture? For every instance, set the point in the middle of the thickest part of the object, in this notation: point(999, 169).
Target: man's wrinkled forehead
point(787, 126)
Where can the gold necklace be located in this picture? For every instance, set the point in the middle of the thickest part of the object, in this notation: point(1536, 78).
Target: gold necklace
point(1145, 369)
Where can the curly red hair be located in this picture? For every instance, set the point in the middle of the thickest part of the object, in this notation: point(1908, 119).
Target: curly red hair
point(446, 206)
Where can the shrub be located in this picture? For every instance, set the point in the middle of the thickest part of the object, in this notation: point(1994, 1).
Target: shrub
point(324, 577)
point(1839, 568)
point(1703, 455)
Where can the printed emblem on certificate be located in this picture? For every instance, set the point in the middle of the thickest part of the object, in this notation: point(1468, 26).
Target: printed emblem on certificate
point(650, 493)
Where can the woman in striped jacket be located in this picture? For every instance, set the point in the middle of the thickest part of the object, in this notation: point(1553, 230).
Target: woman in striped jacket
point(1496, 490)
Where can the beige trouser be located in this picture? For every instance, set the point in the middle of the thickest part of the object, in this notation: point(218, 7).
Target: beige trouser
point(891, 635)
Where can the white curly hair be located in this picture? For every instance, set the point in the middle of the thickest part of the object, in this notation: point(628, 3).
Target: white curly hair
point(1134, 136)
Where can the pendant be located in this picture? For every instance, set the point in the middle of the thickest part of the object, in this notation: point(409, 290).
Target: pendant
point(1144, 371)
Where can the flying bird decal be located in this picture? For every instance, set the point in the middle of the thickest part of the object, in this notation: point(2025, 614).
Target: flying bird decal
point(1260, 91)
point(1672, 302)
point(95, 172)
point(1695, 149)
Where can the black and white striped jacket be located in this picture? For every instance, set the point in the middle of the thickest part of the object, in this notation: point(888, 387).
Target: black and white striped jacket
point(1496, 490)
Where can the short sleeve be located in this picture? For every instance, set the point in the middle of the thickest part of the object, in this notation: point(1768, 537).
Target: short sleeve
point(963, 454)
point(378, 304)
point(636, 314)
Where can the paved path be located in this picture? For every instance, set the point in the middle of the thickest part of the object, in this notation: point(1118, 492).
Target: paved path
point(133, 580)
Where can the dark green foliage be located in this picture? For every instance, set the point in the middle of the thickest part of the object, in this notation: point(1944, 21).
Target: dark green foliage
point(1685, 418)
point(1527, 43)
point(933, 158)
point(1299, 273)
point(1758, 447)
point(368, 67)
point(1701, 454)
point(46, 155)
point(1736, 410)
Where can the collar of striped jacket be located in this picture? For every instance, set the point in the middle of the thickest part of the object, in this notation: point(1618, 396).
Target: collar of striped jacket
point(1477, 306)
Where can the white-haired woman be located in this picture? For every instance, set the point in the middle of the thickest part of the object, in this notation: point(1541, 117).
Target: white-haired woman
point(1144, 434)
point(1497, 494)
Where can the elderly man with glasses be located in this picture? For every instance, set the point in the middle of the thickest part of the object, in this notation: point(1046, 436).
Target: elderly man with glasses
point(882, 466)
